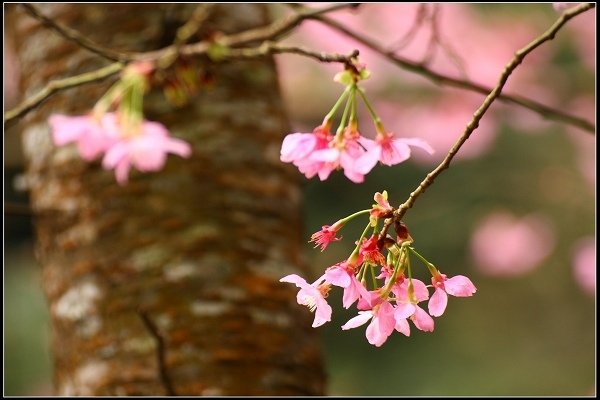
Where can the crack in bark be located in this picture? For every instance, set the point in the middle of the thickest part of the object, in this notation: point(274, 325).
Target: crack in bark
point(160, 352)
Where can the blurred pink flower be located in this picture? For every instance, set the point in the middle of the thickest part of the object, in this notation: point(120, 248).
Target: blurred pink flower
point(584, 265)
point(505, 245)
point(440, 124)
point(560, 7)
point(87, 132)
point(145, 150)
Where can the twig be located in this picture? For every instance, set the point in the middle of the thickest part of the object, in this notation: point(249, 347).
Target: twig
point(74, 36)
point(160, 352)
point(262, 34)
point(270, 32)
point(492, 96)
point(436, 40)
point(269, 47)
point(58, 85)
point(414, 28)
point(439, 78)
point(193, 25)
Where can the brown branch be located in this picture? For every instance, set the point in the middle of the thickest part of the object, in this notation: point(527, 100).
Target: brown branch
point(59, 85)
point(414, 28)
point(160, 352)
point(489, 100)
point(439, 78)
point(270, 32)
point(193, 25)
point(74, 36)
point(269, 47)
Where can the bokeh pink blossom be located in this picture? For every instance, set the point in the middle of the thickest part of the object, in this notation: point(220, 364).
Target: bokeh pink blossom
point(584, 265)
point(505, 245)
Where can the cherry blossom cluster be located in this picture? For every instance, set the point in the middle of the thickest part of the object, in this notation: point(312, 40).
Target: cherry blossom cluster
point(321, 152)
point(116, 129)
point(378, 277)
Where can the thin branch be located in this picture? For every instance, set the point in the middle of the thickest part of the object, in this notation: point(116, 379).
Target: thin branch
point(270, 32)
point(269, 47)
point(262, 34)
point(494, 94)
point(74, 36)
point(160, 352)
point(437, 40)
point(193, 25)
point(414, 28)
point(58, 85)
point(439, 78)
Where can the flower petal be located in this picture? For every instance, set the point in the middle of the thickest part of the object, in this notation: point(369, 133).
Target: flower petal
point(422, 320)
point(360, 319)
point(420, 143)
point(459, 286)
point(402, 326)
point(438, 302)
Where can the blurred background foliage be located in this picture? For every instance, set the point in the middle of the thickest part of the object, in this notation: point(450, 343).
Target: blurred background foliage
point(531, 327)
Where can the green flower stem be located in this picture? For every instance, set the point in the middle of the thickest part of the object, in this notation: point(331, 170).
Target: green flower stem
point(373, 277)
point(353, 115)
point(397, 267)
point(337, 104)
point(432, 270)
point(356, 214)
point(357, 248)
point(378, 124)
point(340, 129)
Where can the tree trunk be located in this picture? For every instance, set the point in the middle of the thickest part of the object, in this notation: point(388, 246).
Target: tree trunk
point(168, 285)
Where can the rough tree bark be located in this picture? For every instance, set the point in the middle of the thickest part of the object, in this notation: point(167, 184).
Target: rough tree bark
point(168, 285)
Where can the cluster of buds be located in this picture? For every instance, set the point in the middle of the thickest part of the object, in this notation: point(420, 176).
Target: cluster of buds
point(381, 285)
point(116, 129)
point(321, 152)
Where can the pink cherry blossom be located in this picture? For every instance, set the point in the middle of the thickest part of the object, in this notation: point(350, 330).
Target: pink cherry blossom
point(86, 131)
point(342, 275)
point(312, 296)
point(387, 149)
point(370, 251)
point(382, 323)
point(146, 150)
point(459, 286)
point(381, 208)
point(407, 306)
point(297, 147)
point(342, 152)
point(327, 235)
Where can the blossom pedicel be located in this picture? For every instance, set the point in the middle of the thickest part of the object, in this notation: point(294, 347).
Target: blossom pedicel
point(321, 152)
point(378, 278)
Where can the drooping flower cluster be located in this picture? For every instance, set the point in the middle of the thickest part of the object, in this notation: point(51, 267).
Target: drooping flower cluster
point(124, 138)
point(378, 277)
point(321, 152)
